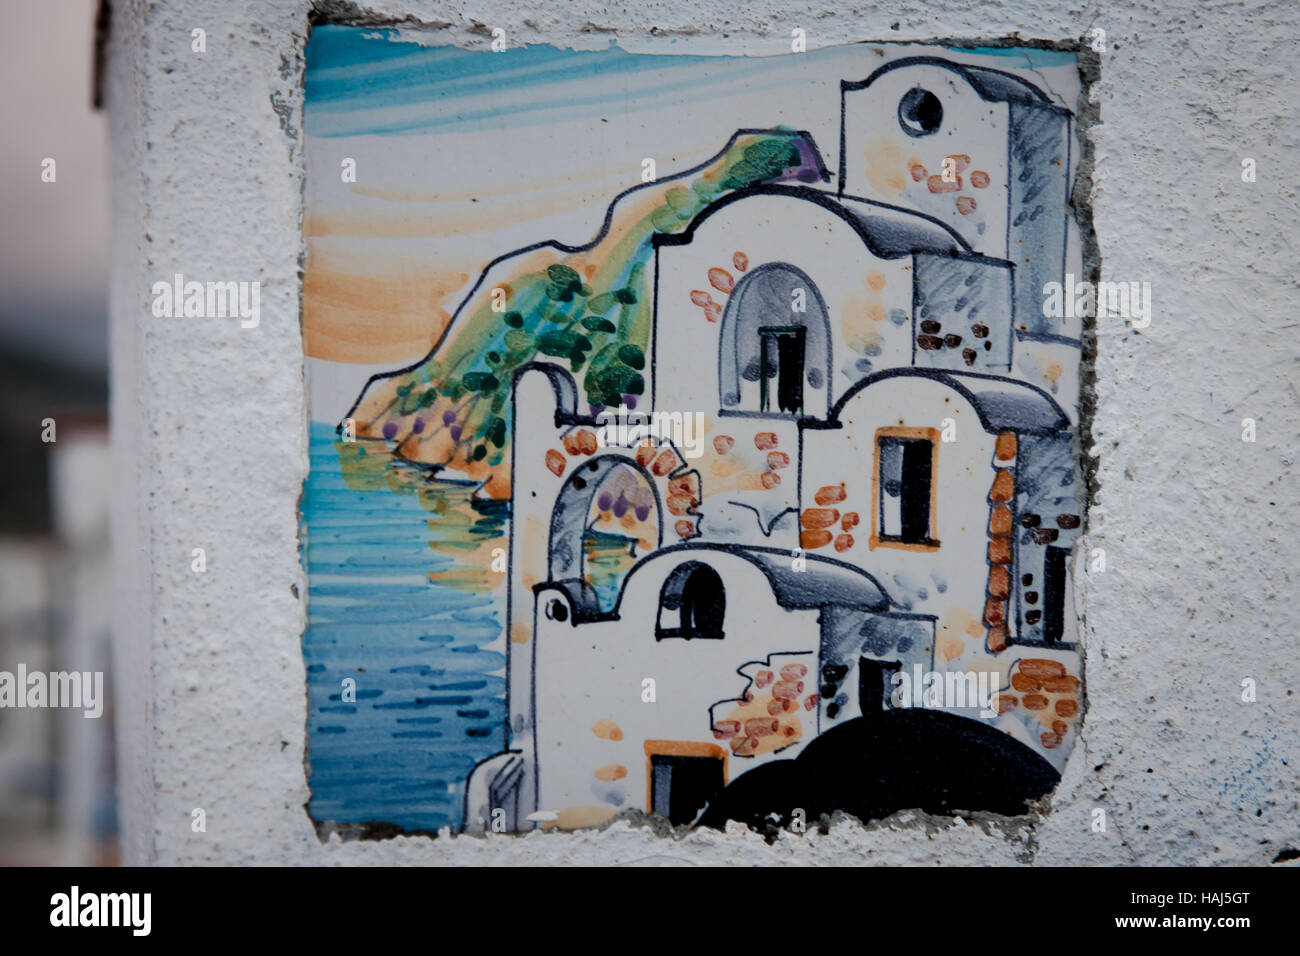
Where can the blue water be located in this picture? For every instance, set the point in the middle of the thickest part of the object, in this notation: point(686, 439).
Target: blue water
point(430, 687)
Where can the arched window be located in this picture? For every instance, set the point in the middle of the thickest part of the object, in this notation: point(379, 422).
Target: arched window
point(693, 603)
point(775, 345)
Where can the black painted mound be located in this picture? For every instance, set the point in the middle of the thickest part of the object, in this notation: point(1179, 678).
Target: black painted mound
point(904, 759)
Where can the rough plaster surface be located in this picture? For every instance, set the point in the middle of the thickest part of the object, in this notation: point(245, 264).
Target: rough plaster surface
point(1198, 527)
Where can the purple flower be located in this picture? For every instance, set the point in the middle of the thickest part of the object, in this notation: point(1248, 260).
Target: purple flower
point(418, 427)
point(390, 429)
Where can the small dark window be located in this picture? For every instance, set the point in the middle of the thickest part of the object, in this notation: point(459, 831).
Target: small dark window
point(906, 488)
point(693, 603)
point(1054, 594)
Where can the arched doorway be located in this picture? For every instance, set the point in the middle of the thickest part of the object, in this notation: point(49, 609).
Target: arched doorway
point(606, 517)
point(775, 352)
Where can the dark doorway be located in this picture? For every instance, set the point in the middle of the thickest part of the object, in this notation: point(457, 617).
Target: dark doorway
point(680, 786)
point(875, 683)
point(782, 352)
point(693, 603)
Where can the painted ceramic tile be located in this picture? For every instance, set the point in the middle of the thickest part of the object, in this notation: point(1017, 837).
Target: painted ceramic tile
point(689, 434)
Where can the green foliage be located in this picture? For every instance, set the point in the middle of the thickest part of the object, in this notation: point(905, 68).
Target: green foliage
point(480, 382)
point(766, 159)
point(596, 324)
point(631, 356)
point(611, 377)
point(563, 283)
point(563, 343)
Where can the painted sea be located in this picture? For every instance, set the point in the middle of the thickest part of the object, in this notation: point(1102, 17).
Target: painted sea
point(395, 604)
point(403, 599)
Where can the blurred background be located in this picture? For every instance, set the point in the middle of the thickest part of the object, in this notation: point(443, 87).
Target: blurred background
point(56, 765)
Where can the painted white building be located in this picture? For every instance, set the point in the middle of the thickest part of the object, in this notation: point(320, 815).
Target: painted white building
point(886, 486)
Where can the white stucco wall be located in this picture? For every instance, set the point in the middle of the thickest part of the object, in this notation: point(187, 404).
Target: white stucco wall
point(210, 435)
point(568, 750)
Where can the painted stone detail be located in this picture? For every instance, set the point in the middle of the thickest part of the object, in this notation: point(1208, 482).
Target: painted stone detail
point(759, 503)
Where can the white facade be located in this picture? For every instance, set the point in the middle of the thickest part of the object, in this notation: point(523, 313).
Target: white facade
point(912, 454)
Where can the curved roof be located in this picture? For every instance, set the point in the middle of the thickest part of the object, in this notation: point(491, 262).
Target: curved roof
point(823, 582)
point(890, 232)
point(1002, 404)
point(995, 86)
point(902, 232)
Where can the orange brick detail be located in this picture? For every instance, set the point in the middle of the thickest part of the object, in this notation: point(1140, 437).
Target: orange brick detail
point(814, 539)
point(1004, 487)
point(1061, 685)
point(998, 638)
point(1000, 520)
point(819, 517)
point(1023, 683)
point(1037, 667)
point(995, 613)
point(999, 583)
point(555, 462)
point(830, 494)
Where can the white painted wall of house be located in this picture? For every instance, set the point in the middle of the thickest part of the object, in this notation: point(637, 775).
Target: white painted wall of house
point(210, 435)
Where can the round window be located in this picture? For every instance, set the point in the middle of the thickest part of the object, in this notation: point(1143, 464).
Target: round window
point(919, 112)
